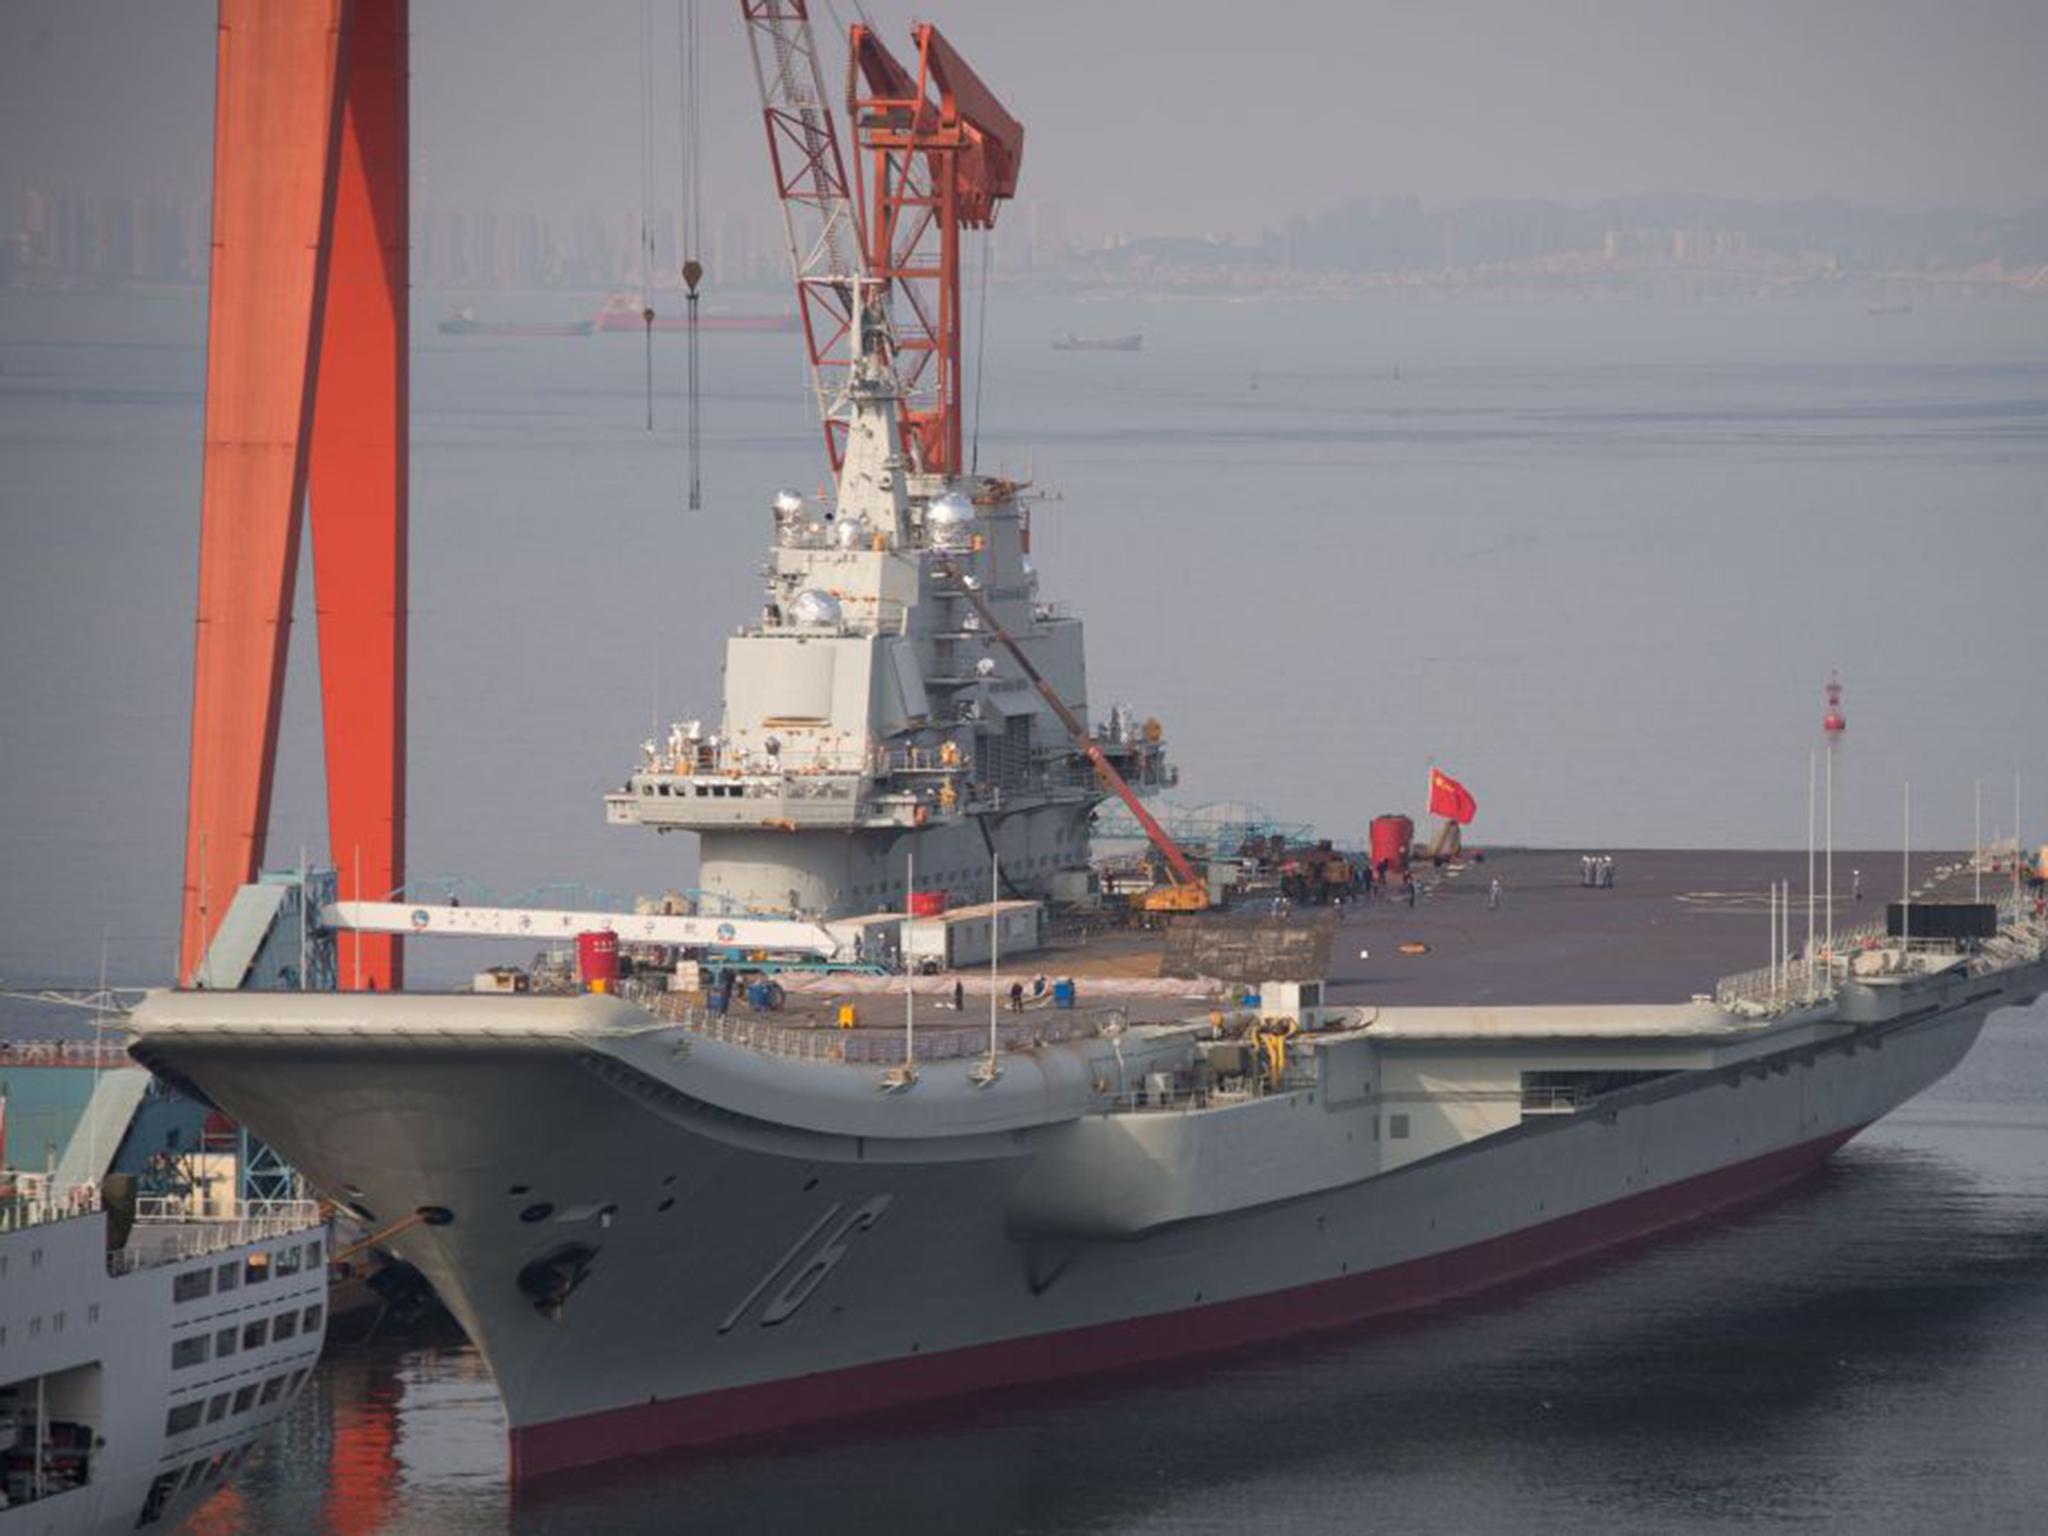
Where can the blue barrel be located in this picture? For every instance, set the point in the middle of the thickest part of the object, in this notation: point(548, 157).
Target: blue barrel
point(760, 996)
point(1063, 994)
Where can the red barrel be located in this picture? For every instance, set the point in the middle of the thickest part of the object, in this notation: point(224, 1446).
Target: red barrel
point(597, 958)
point(927, 903)
point(1392, 838)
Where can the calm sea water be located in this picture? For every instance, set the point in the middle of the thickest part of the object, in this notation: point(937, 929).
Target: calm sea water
point(1595, 558)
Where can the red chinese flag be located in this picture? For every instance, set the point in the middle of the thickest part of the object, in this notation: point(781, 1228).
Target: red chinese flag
point(1450, 799)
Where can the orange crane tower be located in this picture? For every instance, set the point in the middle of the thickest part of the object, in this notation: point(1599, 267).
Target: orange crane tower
point(305, 408)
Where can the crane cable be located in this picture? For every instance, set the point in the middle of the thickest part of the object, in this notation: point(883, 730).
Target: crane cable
point(980, 351)
point(647, 193)
point(687, 116)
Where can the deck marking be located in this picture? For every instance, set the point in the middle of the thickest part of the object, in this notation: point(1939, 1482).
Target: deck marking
point(823, 1262)
point(732, 1318)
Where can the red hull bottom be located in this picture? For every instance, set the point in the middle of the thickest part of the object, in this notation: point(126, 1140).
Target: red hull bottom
point(742, 1412)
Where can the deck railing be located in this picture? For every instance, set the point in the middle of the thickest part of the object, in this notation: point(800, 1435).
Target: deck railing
point(1815, 977)
point(35, 1199)
point(63, 1053)
point(166, 1232)
point(873, 1046)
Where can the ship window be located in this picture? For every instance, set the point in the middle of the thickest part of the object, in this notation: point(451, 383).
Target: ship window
point(217, 1408)
point(256, 1267)
point(223, 1343)
point(229, 1276)
point(183, 1418)
point(289, 1260)
point(298, 1376)
point(193, 1473)
point(286, 1327)
point(160, 1491)
point(192, 1285)
point(313, 1253)
point(255, 1333)
point(189, 1351)
point(244, 1398)
point(312, 1319)
point(273, 1389)
point(1397, 1127)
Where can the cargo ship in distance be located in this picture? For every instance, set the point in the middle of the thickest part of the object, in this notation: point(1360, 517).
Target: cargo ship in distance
point(1072, 343)
point(623, 312)
point(735, 1224)
point(466, 322)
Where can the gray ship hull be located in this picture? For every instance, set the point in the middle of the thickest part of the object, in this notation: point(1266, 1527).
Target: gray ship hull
point(737, 1271)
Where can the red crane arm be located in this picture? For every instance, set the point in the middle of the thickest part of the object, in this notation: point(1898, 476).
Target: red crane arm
point(942, 154)
point(1090, 748)
point(990, 174)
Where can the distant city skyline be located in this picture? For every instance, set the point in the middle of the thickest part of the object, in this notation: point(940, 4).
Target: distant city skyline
point(1193, 118)
point(1673, 246)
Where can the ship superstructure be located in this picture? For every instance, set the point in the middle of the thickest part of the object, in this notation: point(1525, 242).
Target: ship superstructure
point(870, 716)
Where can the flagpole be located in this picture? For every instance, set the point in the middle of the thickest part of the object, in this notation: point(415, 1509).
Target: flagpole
point(909, 965)
point(1830, 866)
point(1977, 849)
point(995, 932)
point(1812, 772)
point(1906, 871)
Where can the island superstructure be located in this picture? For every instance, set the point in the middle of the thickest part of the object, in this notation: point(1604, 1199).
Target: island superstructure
point(870, 714)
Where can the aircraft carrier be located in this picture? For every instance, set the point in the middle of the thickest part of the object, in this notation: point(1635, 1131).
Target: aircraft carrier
point(666, 1224)
point(667, 1227)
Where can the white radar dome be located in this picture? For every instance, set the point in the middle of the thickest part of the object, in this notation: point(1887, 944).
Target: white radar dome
point(815, 607)
point(788, 503)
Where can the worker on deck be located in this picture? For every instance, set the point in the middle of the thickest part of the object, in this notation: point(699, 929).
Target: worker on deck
point(959, 996)
point(1016, 997)
point(1493, 895)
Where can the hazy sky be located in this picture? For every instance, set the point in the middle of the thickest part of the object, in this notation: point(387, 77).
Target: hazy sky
point(1192, 116)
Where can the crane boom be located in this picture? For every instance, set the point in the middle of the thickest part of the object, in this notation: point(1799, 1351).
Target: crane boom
point(1182, 872)
point(826, 252)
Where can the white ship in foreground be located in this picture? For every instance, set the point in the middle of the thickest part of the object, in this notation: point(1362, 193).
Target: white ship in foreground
point(669, 1226)
point(145, 1343)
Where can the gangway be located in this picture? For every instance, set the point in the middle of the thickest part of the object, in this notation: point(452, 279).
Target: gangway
point(776, 935)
